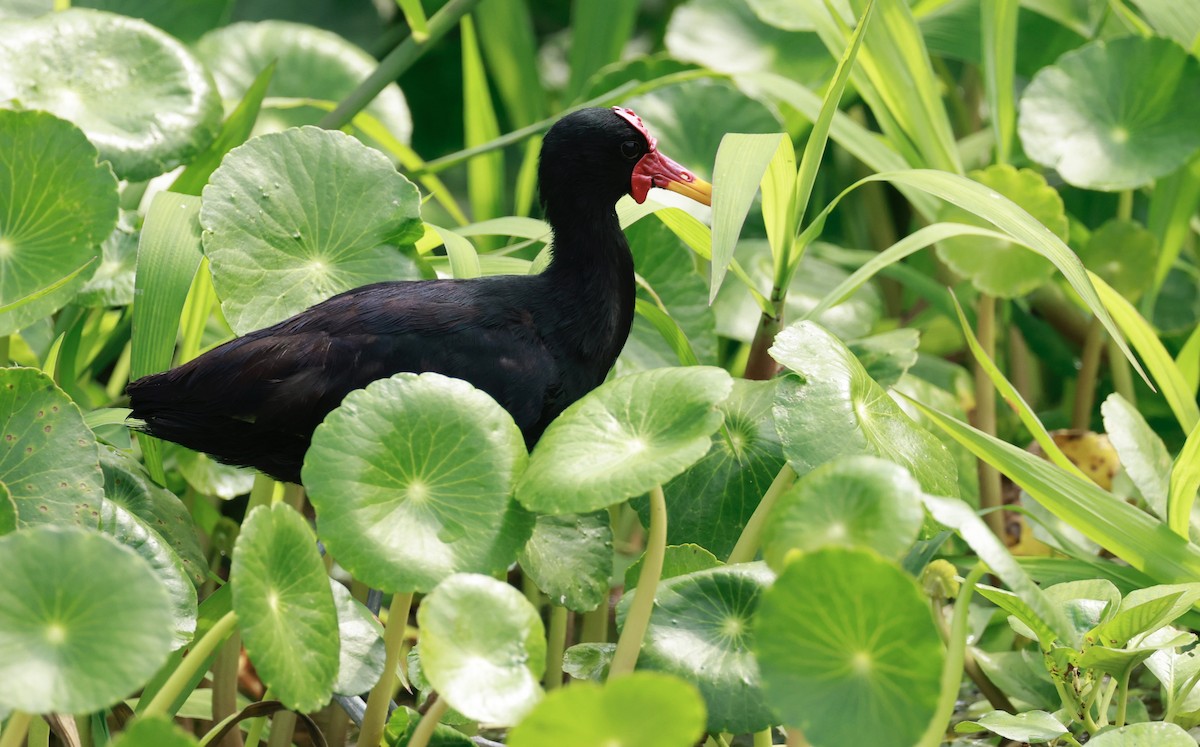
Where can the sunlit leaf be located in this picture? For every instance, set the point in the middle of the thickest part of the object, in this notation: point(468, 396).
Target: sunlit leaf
point(361, 654)
point(570, 558)
point(1034, 727)
point(154, 731)
point(1150, 734)
point(1123, 253)
point(1143, 455)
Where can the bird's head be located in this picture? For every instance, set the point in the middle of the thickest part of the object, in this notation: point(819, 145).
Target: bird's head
point(595, 156)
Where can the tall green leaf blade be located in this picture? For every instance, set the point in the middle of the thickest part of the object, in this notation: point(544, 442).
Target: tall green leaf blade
point(670, 331)
point(1185, 481)
point(1130, 534)
point(1166, 374)
point(742, 160)
point(510, 49)
point(464, 260)
point(414, 16)
point(485, 173)
point(999, 30)
point(599, 31)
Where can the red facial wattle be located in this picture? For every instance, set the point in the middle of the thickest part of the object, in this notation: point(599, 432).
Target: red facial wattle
point(656, 170)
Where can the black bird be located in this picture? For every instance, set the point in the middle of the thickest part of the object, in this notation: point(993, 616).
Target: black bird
point(535, 343)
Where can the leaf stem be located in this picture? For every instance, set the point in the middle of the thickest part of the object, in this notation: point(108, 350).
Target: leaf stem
point(763, 738)
point(191, 663)
point(426, 725)
point(629, 645)
point(254, 733)
point(283, 726)
point(224, 687)
point(396, 63)
point(747, 544)
point(595, 624)
point(381, 694)
point(14, 732)
point(1123, 697)
point(1122, 374)
point(556, 640)
point(985, 412)
point(1089, 370)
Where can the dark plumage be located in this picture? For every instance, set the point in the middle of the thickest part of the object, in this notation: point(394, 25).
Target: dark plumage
point(535, 343)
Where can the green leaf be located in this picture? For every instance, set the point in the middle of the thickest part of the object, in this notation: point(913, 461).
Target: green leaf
point(486, 664)
point(1185, 481)
point(1092, 118)
point(1166, 374)
point(1180, 21)
point(678, 560)
point(311, 63)
point(1143, 455)
point(61, 204)
point(113, 283)
point(155, 731)
point(411, 480)
point(485, 173)
point(1151, 734)
point(834, 409)
point(848, 650)
point(996, 266)
point(83, 621)
point(853, 501)
point(1125, 531)
point(284, 606)
point(207, 476)
point(888, 355)
point(510, 49)
point(361, 654)
point(8, 511)
point(1033, 727)
point(589, 661)
point(600, 29)
point(710, 503)
point(570, 558)
point(741, 165)
point(140, 95)
point(999, 22)
point(1123, 253)
point(624, 438)
point(701, 631)
point(275, 220)
point(1145, 611)
point(643, 709)
point(48, 457)
point(403, 722)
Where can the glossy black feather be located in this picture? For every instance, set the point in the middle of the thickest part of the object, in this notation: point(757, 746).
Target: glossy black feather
point(534, 343)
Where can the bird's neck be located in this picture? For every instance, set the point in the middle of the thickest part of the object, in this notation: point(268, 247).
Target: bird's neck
point(591, 278)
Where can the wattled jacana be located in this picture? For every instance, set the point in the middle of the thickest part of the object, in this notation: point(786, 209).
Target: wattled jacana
point(535, 343)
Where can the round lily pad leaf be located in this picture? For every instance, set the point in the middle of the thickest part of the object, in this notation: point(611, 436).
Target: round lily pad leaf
point(1000, 267)
point(570, 558)
point(403, 722)
point(848, 649)
point(854, 501)
point(285, 608)
point(133, 533)
point(1149, 734)
point(48, 456)
point(678, 560)
point(186, 20)
point(291, 218)
point(310, 63)
point(701, 630)
point(127, 484)
point(207, 476)
point(112, 285)
point(360, 661)
point(1124, 254)
point(141, 96)
point(1094, 118)
point(624, 438)
point(589, 661)
point(486, 664)
point(834, 409)
point(84, 621)
point(711, 502)
point(8, 511)
point(61, 204)
point(411, 479)
point(154, 731)
point(643, 709)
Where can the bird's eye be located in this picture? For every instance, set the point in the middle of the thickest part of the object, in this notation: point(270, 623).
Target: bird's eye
point(631, 149)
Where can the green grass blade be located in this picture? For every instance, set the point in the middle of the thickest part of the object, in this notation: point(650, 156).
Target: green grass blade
point(510, 49)
point(599, 31)
point(1185, 481)
point(1188, 361)
point(485, 173)
point(464, 260)
point(1171, 208)
point(512, 225)
point(814, 149)
point(1130, 534)
point(414, 15)
point(1167, 375)
point(779, 201)
point(670, 330)
point(999, 28)
point(234, 132)
point(742, 162)
point(1014, 398)
point(168, 254)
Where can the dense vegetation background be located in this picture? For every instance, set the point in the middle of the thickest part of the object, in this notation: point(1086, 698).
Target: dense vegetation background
point(902, 449)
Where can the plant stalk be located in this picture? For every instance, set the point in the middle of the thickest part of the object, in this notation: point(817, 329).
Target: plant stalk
point(595, 625)
point(629, 645)
point(381, 695)
point(1122, 372)
point(760, 366)
point(763, 738)
point(224, 687)
point(1089, 371)
point(1123, 698)
point(556, 643)
point(39, 733)
point(14, 733)
point(747, 544)
point(283, 726)
point(426, 725)
point(985, 413)
point(254, 733)
point(190, 664)
point(396, 63)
